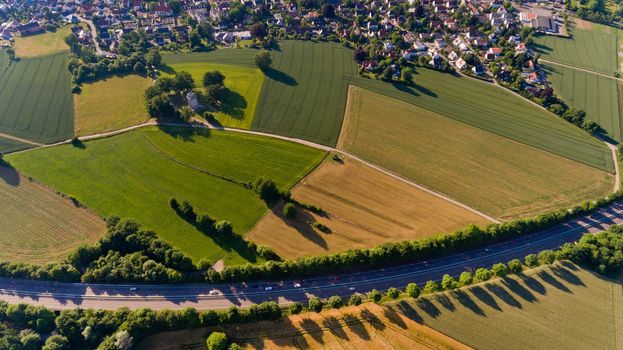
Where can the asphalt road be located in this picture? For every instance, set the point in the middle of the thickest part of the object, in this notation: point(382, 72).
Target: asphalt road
point(70, 295)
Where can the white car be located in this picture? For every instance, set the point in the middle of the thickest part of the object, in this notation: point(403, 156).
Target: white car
point(133, 289)
point(296, 285)
point(214, 292)
point(351, 288)
point(268, 289)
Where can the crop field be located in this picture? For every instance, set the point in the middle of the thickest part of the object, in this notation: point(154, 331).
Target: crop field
point(363, 208)
point(137, 180)
point(496, 110)
point(36, 99)
point(595, 94)
point(42, 44)
point(111, 104)
point(589, 49)
point(240, 157)
point(244, 83)
point(235, 57)
point(39, 226)
point(304, 93)
point(8, 145)
point(557, 307)
point(368, 326)
point(491, 173)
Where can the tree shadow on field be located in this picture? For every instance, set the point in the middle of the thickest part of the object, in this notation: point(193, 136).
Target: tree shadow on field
point(232, 104)
point(280, 76)
point(302, 224)
point(185, 131)
point(412, 87)
point(167, 69)
point(8, 174)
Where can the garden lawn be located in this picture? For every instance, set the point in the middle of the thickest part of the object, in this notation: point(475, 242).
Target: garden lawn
point(592, 93)
point(47, 43)
point(493, 174)
point(497, 110)
point(237, 156)
point(36, 99)
point(111, 104)
point(37, 225)
point(592, 49)
point(126, 175)
point(304, 92)
point(244, 83)
point(557, 307)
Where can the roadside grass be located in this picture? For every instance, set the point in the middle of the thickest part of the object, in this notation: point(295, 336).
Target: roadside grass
point(8, 145)
point(240, 157)
point(496, 110)
point(44, 44)
point(554, 307)
point(39, 226)
point(36, 99)
point(304, 92)
point(126, 175)
point(244, 84)
point(368, 326)
point(362, 207)
point(493, 174)
point(593, 49)
point(111, 104)
point(596, 95)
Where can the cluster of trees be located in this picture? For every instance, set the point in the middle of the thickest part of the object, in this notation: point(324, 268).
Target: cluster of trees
point(159, 97)
point(203, 221)
point(85, 69)
point(407, 251)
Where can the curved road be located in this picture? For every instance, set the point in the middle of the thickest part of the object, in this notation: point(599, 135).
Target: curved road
point(70, 295)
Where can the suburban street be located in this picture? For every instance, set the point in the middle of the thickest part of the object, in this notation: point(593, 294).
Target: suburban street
point(69, 295)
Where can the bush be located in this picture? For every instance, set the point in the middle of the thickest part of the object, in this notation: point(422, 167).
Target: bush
point(335, 302)
point(267, 253)
point(500, 269)
point(375, 295)
point(267, 189)
point(547, 257)
point(321, 227)
point(483, 274)
point(234, 346)
point(355, 299)
point(393, 293)
point(466, 278)
point(430, 287)
point(187, 211)
point(204, 264)
point(413, 290)
point(217, 341)
point(76, 89)
point(296, 308)
point(314, 304)
point(174, 204)
point(531, 260)
point(448, 282)
point(289, 211)
point(204, 221)
point(514, 266)
point(56, 342)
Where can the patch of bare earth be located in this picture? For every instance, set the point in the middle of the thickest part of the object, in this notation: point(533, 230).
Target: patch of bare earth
point(362, 208)
point(368, 326)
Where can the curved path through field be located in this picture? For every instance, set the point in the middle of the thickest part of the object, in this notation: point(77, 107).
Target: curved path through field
point(70, 295)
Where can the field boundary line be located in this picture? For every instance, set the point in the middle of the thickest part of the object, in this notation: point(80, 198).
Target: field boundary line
point(19, 139)
point(580, 69)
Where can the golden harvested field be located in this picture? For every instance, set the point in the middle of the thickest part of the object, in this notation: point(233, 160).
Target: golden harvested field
point(369, 326)
point(493, 174)
point(555, 307)
point(39, 226)
point(364, 208)
point(44, 44)
point(111, 104)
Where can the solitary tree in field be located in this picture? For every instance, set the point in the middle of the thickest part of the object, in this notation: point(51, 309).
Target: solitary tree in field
point(289, 211)
point(213, 78)
point(263, 60)
point(217, 341)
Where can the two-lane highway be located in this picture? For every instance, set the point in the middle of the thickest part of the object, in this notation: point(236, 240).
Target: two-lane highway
point(208, 296)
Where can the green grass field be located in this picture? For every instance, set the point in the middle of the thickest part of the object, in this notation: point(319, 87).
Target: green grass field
point(240, 157)
point(498, 176)
point(589, 49)
point(47, 43)
point(244, 82)
point(111, 104)
point(36, 100)
point(235, 57)
point(8, 145)
point(595, 94)
point(304, 94)
point(127, 176)
point(557, 307)
point(494, 109)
